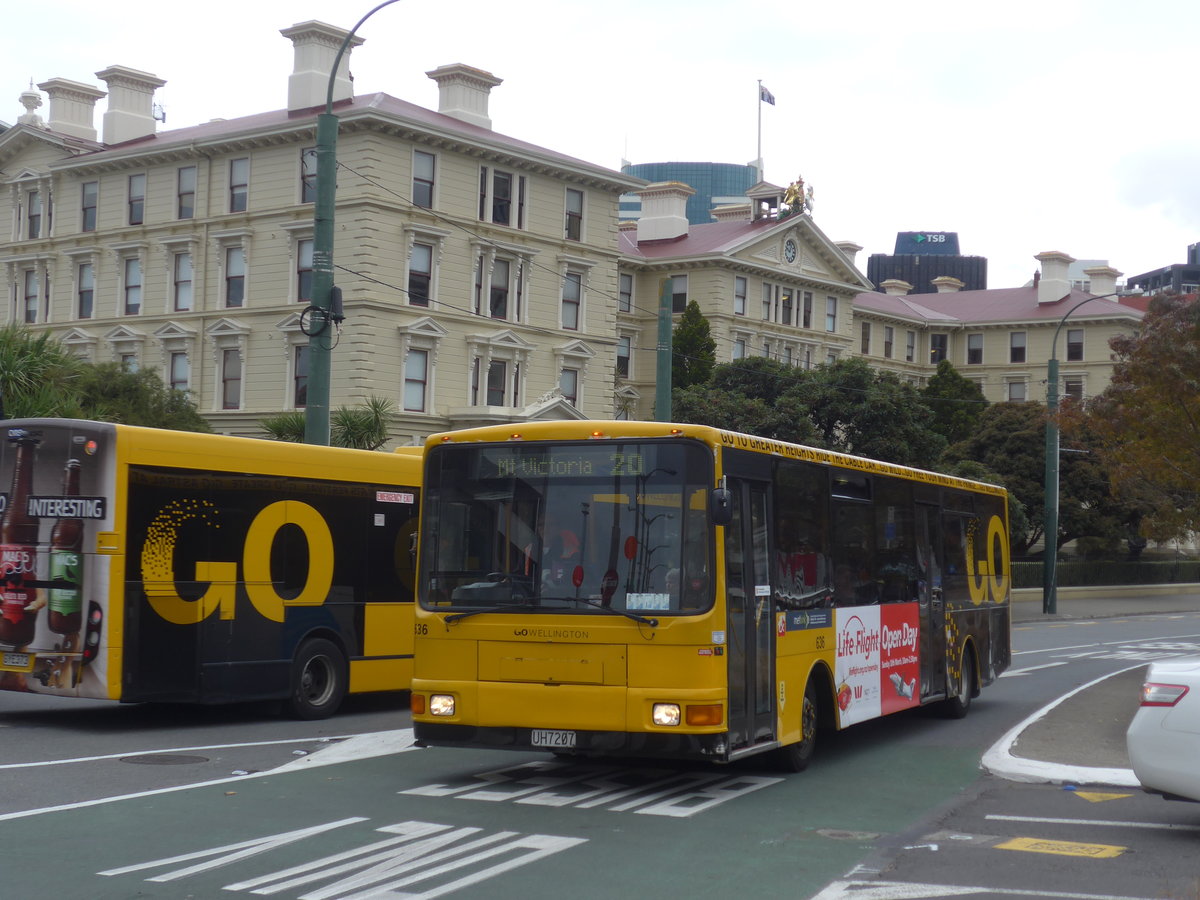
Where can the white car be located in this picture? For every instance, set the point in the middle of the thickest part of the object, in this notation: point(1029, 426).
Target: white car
point(1164, 737)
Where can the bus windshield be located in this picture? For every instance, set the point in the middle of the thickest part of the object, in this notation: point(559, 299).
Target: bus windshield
point(606, 526)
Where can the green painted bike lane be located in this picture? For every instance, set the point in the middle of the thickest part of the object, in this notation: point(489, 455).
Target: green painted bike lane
point(475, 824)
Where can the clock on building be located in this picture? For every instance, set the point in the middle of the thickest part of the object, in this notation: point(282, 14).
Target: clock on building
point(789, 250)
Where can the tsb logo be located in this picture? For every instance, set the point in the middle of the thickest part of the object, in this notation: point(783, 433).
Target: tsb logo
point(158, 553)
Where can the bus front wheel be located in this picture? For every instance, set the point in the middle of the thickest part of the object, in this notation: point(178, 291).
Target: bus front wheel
point(796, 757)
point(319, 680)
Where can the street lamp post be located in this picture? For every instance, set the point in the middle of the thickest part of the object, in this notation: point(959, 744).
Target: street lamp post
point(323, 311)
point(1050, 514)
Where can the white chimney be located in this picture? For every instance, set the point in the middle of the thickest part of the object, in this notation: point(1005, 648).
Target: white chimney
point(130, 113)
point(72, 106)
point(664, 211)
point(463, 93)
point(1054, 284)
point(948, 284)
point(1103, 280)
point(849, 249)
point(894, 287)
point(316, 46)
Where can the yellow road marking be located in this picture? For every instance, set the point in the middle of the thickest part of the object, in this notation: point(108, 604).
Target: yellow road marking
point(1063, 848)
point(1099, 796)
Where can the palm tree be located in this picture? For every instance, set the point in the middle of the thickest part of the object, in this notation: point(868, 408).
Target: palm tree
point(38, 375)
point(364, 427)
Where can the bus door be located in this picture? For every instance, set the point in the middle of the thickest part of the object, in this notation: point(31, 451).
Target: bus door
point(931, 601)
point(750, 622)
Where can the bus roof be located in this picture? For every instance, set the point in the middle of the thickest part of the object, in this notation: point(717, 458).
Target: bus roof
point(596, 429)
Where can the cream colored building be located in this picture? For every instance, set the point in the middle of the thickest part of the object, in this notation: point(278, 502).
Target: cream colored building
point(479, 272)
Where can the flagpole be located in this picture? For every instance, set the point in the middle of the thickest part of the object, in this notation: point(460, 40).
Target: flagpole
point(758, 158)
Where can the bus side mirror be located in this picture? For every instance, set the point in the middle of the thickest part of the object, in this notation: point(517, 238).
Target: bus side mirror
point(720, 506)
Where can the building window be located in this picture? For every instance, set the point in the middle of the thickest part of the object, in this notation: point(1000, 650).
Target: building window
point(1016, 391)
point(33, 218)
point(231, 379)
point(768, 301)
point(679, 297)
point(496, 385)
point(889, 336)
point(239, 184)
point(91, 197)
point(128, 362)
point(300, 376)
point(739, 296)
point(739, 349)
point(501, 197)
point(498, 289)
point(572, 295)
point(807, 312)
point(85, 295)
point(137, 199)
point(974, 349)
point(1074, 344)
point(235, 277)
point(420, 274)
point(179, 372)
point(766, 349)
point(831, 314)
point(304, 270)
point(624, 354)
point(416, 380)
point(574, 224)
point(1073, 389)
point(1016, 347)
point(308, 175)
point(568, 383)
point(939, 347)
point(422, 183)
point(785, 301)
point(183, 278)
point(910, 346)
point(133, 285)
point(185, 193)
point(31, 295)
point(625, 301)
point(866, 339)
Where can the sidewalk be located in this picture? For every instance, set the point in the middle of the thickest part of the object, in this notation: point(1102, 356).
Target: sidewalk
point(1080, 738)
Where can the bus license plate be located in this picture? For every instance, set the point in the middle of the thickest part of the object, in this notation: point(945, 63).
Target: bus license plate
point(19, 660)
point(555, 740)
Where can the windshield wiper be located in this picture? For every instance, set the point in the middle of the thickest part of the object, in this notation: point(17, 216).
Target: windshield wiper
point(503, 607)
point(653, 623)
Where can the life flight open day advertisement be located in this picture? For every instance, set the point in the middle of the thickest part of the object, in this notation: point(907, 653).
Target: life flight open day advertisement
point(878, 665)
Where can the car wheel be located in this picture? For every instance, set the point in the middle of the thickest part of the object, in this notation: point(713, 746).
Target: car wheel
point(796, 757)
point(958, 704)
point(319, 680)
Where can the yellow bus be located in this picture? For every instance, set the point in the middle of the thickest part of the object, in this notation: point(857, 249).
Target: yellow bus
point(141, 564)
point(680, 591)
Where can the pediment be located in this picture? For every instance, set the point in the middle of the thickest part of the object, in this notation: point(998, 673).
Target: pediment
point(426, 326)
point(226, 327)
point(816, 256)
point(174, 330)
point(123, 333)
point(503, 338)
point(552, 405)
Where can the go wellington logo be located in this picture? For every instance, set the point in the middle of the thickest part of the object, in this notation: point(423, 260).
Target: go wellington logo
point(433, 858)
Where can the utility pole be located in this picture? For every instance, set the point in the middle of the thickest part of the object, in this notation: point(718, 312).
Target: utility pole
point(662, 388)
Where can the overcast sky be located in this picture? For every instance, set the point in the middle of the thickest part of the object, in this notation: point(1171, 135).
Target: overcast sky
point(1024, 126)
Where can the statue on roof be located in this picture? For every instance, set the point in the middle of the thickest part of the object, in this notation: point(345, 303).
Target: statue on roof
point(31, 100)
point(796, 198)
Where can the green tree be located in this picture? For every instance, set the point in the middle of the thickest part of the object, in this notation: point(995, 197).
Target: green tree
point(858, 410)
point(693, 350)
point(364, 427)
point(110, 393)
point(746, 396)
point(1018, 519)
point(955, 402)
point(37, 375)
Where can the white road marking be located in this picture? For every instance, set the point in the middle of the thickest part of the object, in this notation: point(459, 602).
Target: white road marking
point(899, 890)
point(1016, 673)
point(1101, 823)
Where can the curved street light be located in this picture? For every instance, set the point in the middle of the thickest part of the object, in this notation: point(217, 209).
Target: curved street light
point(323, 309)
point(1050, 514)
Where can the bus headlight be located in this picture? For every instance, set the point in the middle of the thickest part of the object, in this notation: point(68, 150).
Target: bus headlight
point(441, 705)
point(665, 714)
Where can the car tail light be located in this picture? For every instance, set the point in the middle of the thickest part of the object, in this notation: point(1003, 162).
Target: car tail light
point(1155, 694)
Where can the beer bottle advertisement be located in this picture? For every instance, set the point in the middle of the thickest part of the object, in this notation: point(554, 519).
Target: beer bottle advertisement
point(59, 476)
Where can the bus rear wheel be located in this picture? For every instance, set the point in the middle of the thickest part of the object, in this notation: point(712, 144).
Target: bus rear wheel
point(796, 757)
point(958, 704)
point(319, 680)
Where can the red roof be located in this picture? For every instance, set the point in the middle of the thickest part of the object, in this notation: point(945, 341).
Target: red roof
point(998, 305)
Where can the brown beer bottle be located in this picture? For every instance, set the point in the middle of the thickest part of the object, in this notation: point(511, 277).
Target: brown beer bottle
point(65, 602)
point(18, 548)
